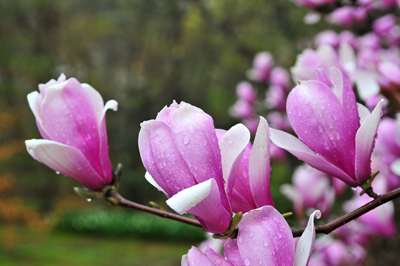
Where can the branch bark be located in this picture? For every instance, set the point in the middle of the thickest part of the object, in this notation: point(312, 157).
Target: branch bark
point(118, 200)
point(329, 227)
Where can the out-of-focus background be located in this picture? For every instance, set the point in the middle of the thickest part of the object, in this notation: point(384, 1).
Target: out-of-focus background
point(144, 54)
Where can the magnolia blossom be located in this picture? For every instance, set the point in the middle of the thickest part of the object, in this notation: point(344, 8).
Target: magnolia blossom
point(334, 252)
point(180, 151)
point(262, 65)
point(311, 189)
point(337, 135)
point(387, 151)
point(71, 119)
point(185, 160)
point(264, 238)
point(309, 60)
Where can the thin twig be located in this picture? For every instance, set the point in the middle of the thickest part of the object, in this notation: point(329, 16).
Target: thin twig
point(126, 203)
point(329, 227)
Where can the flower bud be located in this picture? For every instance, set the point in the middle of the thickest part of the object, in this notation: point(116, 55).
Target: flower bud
point(71, 119)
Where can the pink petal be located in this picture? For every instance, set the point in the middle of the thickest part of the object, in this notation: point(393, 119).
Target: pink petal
point(365, 141)
point(196, 258)
point(96, 101)
point(204, 202)
point(65, 159)
point(265, 238)
point(231, 251)
point(305, 245)
point(195, 138)
point(302, 152)
point(69, 118)
point(259, 166)
point(162, 159)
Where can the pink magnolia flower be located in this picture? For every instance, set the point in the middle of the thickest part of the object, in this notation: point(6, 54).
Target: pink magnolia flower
point(280, 77)
point(180, 151)
point(311, 189)
point(387, 151)
point(334, 252)
point(309, 60)
point(328, 37)
point(262, 65)
point(384, 25)
point(246, 92)
point(342, 16)
point(264, 238)
point(337, 136)
point(242, 109)
point(71, 119)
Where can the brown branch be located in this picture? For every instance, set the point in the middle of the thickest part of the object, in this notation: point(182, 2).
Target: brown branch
point(329, 227)
point(120, 201)
point(117, 200)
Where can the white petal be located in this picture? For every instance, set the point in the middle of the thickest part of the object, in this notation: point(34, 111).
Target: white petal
point(188, 198)
point(363, 113)
point(365, 139)
point(367, 84)
point(305, 245)
point(151, 180)
point(232, 144)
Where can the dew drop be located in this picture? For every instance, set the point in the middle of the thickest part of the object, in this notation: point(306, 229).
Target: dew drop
point(260, 262)
point(266, 244)
point(57, 172)
point(353, 188)
point(89, 200)
point(322, 107)
point(247, 261)
point(186, 140)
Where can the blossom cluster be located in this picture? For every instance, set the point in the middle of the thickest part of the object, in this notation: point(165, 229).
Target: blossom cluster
point(223, 179)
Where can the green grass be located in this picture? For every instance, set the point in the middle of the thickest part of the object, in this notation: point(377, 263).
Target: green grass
point(26, 247)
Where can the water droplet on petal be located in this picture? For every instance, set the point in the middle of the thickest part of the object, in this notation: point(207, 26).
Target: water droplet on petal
point(247, 261)
point(186, 140)
point(57, 172)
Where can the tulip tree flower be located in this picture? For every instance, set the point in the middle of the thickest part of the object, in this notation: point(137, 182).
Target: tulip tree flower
point(264, 238)
point(337, 135)
point(71, 119)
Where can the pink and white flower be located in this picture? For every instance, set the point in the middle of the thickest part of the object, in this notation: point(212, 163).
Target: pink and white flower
point(71, 119)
